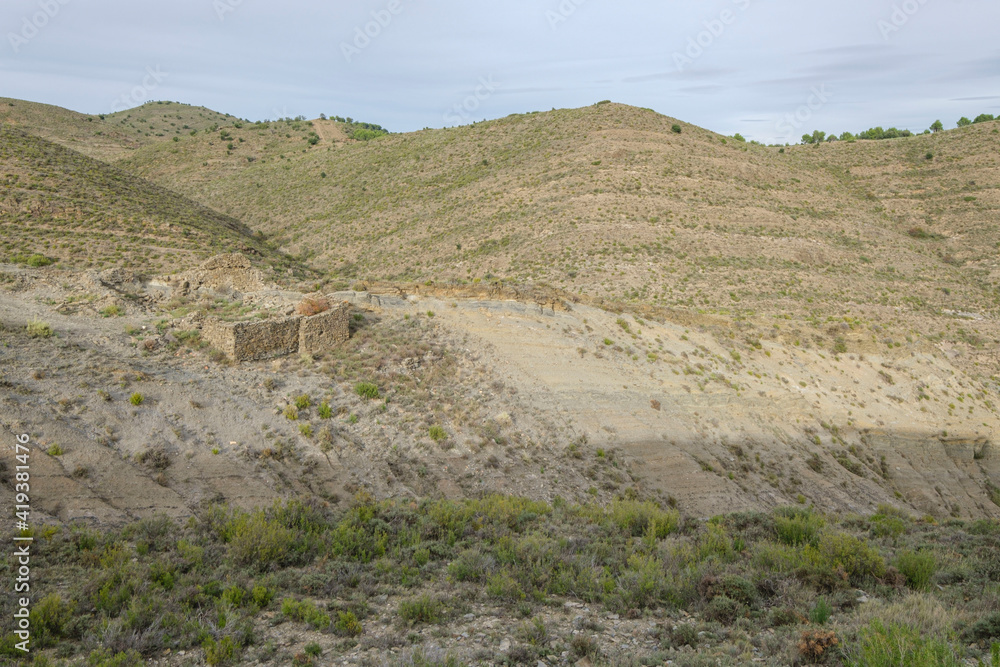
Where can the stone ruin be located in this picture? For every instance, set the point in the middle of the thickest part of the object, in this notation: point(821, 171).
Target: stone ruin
point(278, 337)
point(252, 340)
point(234, 273)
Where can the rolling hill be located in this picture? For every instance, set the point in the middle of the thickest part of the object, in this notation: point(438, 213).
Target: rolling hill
point(887, 240)
point(84, 213)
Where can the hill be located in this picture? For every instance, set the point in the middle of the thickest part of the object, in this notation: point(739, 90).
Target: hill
point(109, 136)
point(611, 203)
point(84, 213)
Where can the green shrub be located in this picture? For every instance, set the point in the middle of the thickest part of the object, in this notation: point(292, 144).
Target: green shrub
point(347, 624)
point(234, 595)
point(731, 586)
point(423, 609)
point(38, 329)
point(821, 611)
point(534, 632)
point(898, 645)
point(136, 399)
point(325, 411)
point(635, 518)
point(438, 433)
point(34, 261)
point(55, 450)
point(50, 618)
point(291, 412)
point(471, 565)
point(261, 596)
point(676, 128)
point(643, 583)
point(255, 541)
point(221, 652)
point(303, 402)
point(313, 649)
point(918, 567)
point(846, 553)
point(114, 310)
point(306, 612)
point(723, 609)
point(986, 628)
point(797, 526)
point(367, 390)
point(887, 526)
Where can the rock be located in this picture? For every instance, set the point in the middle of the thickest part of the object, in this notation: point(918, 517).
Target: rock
point(505, 645)
point(583, 662)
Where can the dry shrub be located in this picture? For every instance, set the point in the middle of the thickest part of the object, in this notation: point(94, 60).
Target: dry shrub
point(312, 305)
point(814, 644)
point(920, 611)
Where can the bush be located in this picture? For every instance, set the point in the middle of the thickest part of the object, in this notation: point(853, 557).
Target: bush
point(367, 390)
point(38, 329)
point(114, 310)
point(255, 541)
point(814, 645)
point(50, 618)
point(136, 399)
point(821, 611)
point(797, 526)
point(676, 128)
point(984, 629)
point(34, 261)
point(220, 652)
point(303, 402)
point(438, 433)
point(307, 612)
point(891, 645)
point(731, 586)
point(918, 568)
point(846, 553)
point(423, 609)
point(325, 411)
point(637, 518)
point(723, 609)
point(347, 624)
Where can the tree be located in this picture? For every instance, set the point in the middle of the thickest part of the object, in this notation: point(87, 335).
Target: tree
point(983, 118)
point(847, 136)
point(964, 122)
point(831, 137)
point(937, 126)
point(738, 137)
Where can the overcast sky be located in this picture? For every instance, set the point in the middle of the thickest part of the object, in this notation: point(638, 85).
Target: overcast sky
point(769, 69)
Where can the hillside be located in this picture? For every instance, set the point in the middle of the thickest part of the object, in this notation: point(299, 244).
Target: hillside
point(109, 136)
point(610, 203)
point(84, 213)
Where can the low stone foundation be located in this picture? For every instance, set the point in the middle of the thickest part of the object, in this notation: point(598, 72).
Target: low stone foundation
point(267, 339)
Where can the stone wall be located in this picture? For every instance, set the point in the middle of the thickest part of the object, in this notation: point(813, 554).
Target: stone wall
point(219, 335)
point(267, 339)
point(321, 332)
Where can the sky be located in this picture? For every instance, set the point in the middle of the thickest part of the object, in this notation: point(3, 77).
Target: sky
point(771, 70)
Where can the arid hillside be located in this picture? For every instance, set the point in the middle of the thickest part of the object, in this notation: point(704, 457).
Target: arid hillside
point(68, 208)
